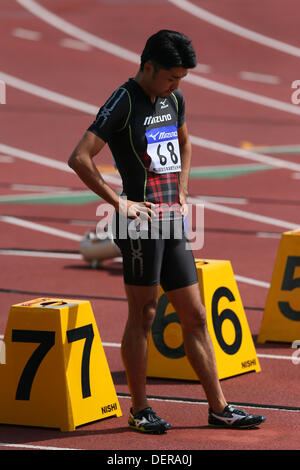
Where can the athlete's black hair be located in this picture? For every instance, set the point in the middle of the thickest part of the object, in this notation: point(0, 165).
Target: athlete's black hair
point(167, 49)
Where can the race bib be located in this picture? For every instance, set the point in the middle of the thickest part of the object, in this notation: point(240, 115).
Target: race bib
point(163, 148)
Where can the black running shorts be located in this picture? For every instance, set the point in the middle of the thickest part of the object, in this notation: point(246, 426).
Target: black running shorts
point(164, 259)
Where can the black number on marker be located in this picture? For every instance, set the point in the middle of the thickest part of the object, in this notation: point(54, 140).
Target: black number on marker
point(228, 314)
point(84, 332)
point(160, 323)
point(46, 340)
point(290, 283)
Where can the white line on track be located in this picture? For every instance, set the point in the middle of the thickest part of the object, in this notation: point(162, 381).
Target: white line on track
point(41, 197)
point(74, 44)
point(253, 282)
point(208, 205)
point(33, 447)
point(264, 356)
point(40, 254)
point(34, 158)
point(258, 77)
point(78, 33)
point(41, 92)
point(39, 188)
point(40, 228)
point(246, 215)
point(125, 54)
point(91, 109)
point(245, 154)
point(26, 34)
point(46, 161)
point(235, 28)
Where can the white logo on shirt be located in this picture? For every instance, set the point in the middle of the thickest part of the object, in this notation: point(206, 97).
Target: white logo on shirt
point(155, 119)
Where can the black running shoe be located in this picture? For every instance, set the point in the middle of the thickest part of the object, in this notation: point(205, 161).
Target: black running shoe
point(233, 417)
point(147, 421)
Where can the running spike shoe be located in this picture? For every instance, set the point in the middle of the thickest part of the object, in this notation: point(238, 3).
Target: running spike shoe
point(147, 421)
point(233, 417)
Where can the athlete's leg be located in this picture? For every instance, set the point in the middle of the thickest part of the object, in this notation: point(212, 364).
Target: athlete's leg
point(142, 302)
point(179, 279)
point(142, 259)
point(197, 342)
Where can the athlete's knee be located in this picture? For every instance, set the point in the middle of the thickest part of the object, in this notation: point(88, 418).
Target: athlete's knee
point(148, 313)
point(194, 319)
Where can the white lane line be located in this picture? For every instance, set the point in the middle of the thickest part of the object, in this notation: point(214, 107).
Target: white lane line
point(40, 254)
point(74, 44)
point(235, 28)
point(39, 188)
point(241, 153)
point(208, 205)
point(246, 215)
point(125, 54)
point(222, 199)
point(26, 34)
point(29, 446)
point(253, 282)
point(40, 228)
point(78, 33)
point(264, 356)
point(34, 158)
point(40, 197)
point(93, 110)
point(49, 162)
point(258, 77)
point(242, 94)
point(203, 68)
point(41, 92)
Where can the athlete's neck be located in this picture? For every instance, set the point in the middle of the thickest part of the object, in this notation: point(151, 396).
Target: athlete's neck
point(142, 81)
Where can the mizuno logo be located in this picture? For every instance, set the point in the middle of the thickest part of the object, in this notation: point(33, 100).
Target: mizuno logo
point(155, 119)
point(163, 104)
point(154, 135)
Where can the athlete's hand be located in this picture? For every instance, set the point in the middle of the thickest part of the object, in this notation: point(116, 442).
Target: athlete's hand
point(184, 205)
point(136, 210)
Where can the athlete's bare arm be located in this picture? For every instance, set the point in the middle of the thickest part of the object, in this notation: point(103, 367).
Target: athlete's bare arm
point(81, 161)
point(185, 155)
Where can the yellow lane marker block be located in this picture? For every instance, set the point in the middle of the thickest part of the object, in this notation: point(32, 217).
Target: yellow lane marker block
point(227, 324)
point(281, 319)
point(55, 373)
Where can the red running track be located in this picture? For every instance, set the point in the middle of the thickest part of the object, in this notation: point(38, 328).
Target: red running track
point(51, 127)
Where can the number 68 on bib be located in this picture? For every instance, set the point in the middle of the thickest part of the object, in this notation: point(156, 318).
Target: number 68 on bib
point(163, 149)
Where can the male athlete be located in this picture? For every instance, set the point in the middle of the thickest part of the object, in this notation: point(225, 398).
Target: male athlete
point(143, 122)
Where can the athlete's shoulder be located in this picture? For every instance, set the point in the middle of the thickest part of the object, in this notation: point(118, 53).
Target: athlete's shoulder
point(113, 115)
point(178, 97)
